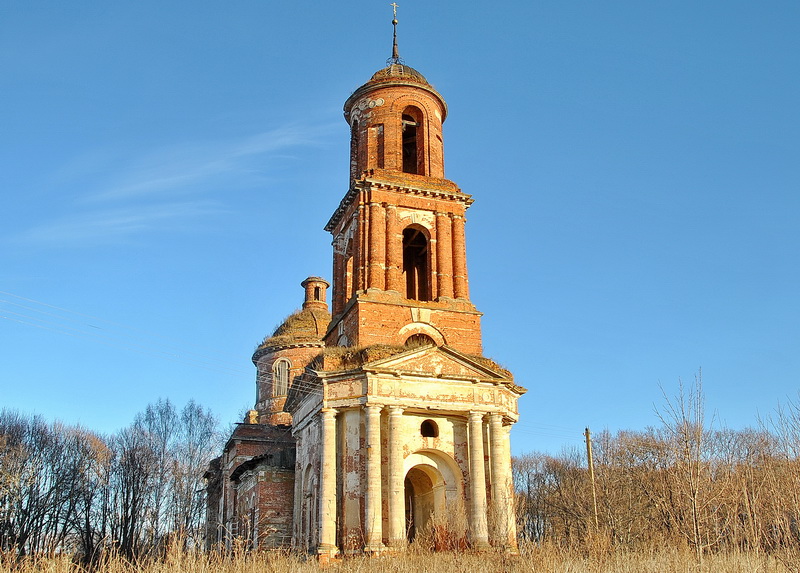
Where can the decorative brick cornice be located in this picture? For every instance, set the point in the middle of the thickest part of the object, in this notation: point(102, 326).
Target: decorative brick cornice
point(263, 350)
point(398, 183)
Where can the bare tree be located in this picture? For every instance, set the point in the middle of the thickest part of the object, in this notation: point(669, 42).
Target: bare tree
point(197, 443)
point(134, 469)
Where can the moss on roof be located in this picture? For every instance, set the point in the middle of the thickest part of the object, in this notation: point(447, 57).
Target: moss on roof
point(346, 358)
point(307, 325)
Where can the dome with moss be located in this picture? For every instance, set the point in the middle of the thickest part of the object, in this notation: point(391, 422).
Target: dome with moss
point(306, 326)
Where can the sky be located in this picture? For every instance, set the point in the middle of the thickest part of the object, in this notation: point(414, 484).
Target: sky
point(166, 170)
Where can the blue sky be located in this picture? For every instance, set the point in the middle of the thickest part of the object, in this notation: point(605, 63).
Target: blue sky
point(166, 171)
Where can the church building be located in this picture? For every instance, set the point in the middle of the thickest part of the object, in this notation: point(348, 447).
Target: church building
point(377, 420)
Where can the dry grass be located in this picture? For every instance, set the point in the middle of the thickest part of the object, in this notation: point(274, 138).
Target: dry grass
point(542, 559)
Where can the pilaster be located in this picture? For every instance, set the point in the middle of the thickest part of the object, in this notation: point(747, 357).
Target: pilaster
point(444, 255)
point(459, 258)
point(377, 246)
point(394, 250)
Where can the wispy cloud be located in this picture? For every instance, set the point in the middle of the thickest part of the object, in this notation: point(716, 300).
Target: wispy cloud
point(114, 225)
point(170, 187)
point(196, 165)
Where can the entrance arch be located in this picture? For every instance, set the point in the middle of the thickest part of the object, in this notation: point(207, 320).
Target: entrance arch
point(424, 493)
point(431, 486)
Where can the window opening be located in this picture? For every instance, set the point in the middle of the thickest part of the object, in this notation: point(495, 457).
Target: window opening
point(354, 150)
point(380, 143)
point(429, 429)
point(419, 339)
point(280, 378)
point(410, 126)
point(415, 264)
point(317, 293)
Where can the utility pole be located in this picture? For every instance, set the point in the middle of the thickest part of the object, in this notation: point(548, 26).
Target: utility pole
point(588, 435)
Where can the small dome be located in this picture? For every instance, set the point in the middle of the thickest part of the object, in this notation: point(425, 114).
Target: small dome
point(393, 75)
point(398, 72)
point(307, 325)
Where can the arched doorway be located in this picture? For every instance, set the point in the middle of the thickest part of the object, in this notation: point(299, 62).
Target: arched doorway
point(433, 487)
point(425, 495)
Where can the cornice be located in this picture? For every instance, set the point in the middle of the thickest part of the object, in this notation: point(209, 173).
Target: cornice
point(428, 187)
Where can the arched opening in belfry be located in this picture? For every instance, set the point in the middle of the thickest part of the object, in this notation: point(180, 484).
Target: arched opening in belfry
point(412, 141)
point(424, 495)
point(415, 264)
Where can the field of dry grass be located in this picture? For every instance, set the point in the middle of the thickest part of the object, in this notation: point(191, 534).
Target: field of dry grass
point(540, 560)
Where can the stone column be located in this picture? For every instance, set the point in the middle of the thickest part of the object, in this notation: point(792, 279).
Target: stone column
point(373, 514)
point(459, 258)
point(512, 516)
point(397, 506)
point(501, 502)
point(394, 250)
point(444, 255)
point(327, 483)
point(477, 482)
point(377, 246)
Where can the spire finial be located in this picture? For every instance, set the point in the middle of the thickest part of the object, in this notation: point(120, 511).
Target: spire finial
point(395, 59)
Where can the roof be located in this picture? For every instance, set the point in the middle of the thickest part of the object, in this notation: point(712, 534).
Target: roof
point(395, 74)
point(398, 71)
point(304, 326)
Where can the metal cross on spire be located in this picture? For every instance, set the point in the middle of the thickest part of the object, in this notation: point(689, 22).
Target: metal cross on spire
point(395, 59)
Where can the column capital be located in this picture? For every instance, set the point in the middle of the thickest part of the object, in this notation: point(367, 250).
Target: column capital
point(395, 410)
point(476, 416)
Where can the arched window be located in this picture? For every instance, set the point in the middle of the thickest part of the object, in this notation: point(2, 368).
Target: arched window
point(419, 339)
point(412, 141)
point(317, 293)
point(280, 377)
point(429, 429)
point(415, 263)
point(349, 275)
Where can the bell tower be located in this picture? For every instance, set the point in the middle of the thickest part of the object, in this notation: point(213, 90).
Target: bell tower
point(399, 252)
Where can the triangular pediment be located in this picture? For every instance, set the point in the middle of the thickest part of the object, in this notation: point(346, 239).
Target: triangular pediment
point(441, 362)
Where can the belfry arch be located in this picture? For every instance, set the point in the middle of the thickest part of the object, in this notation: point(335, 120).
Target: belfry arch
point(416, 263)
point(413, 149)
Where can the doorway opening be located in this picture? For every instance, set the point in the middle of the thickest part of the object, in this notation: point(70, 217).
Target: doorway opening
point(424, 495)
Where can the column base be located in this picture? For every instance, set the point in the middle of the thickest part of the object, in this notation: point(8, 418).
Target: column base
point(326, 552)
point(374, 548)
